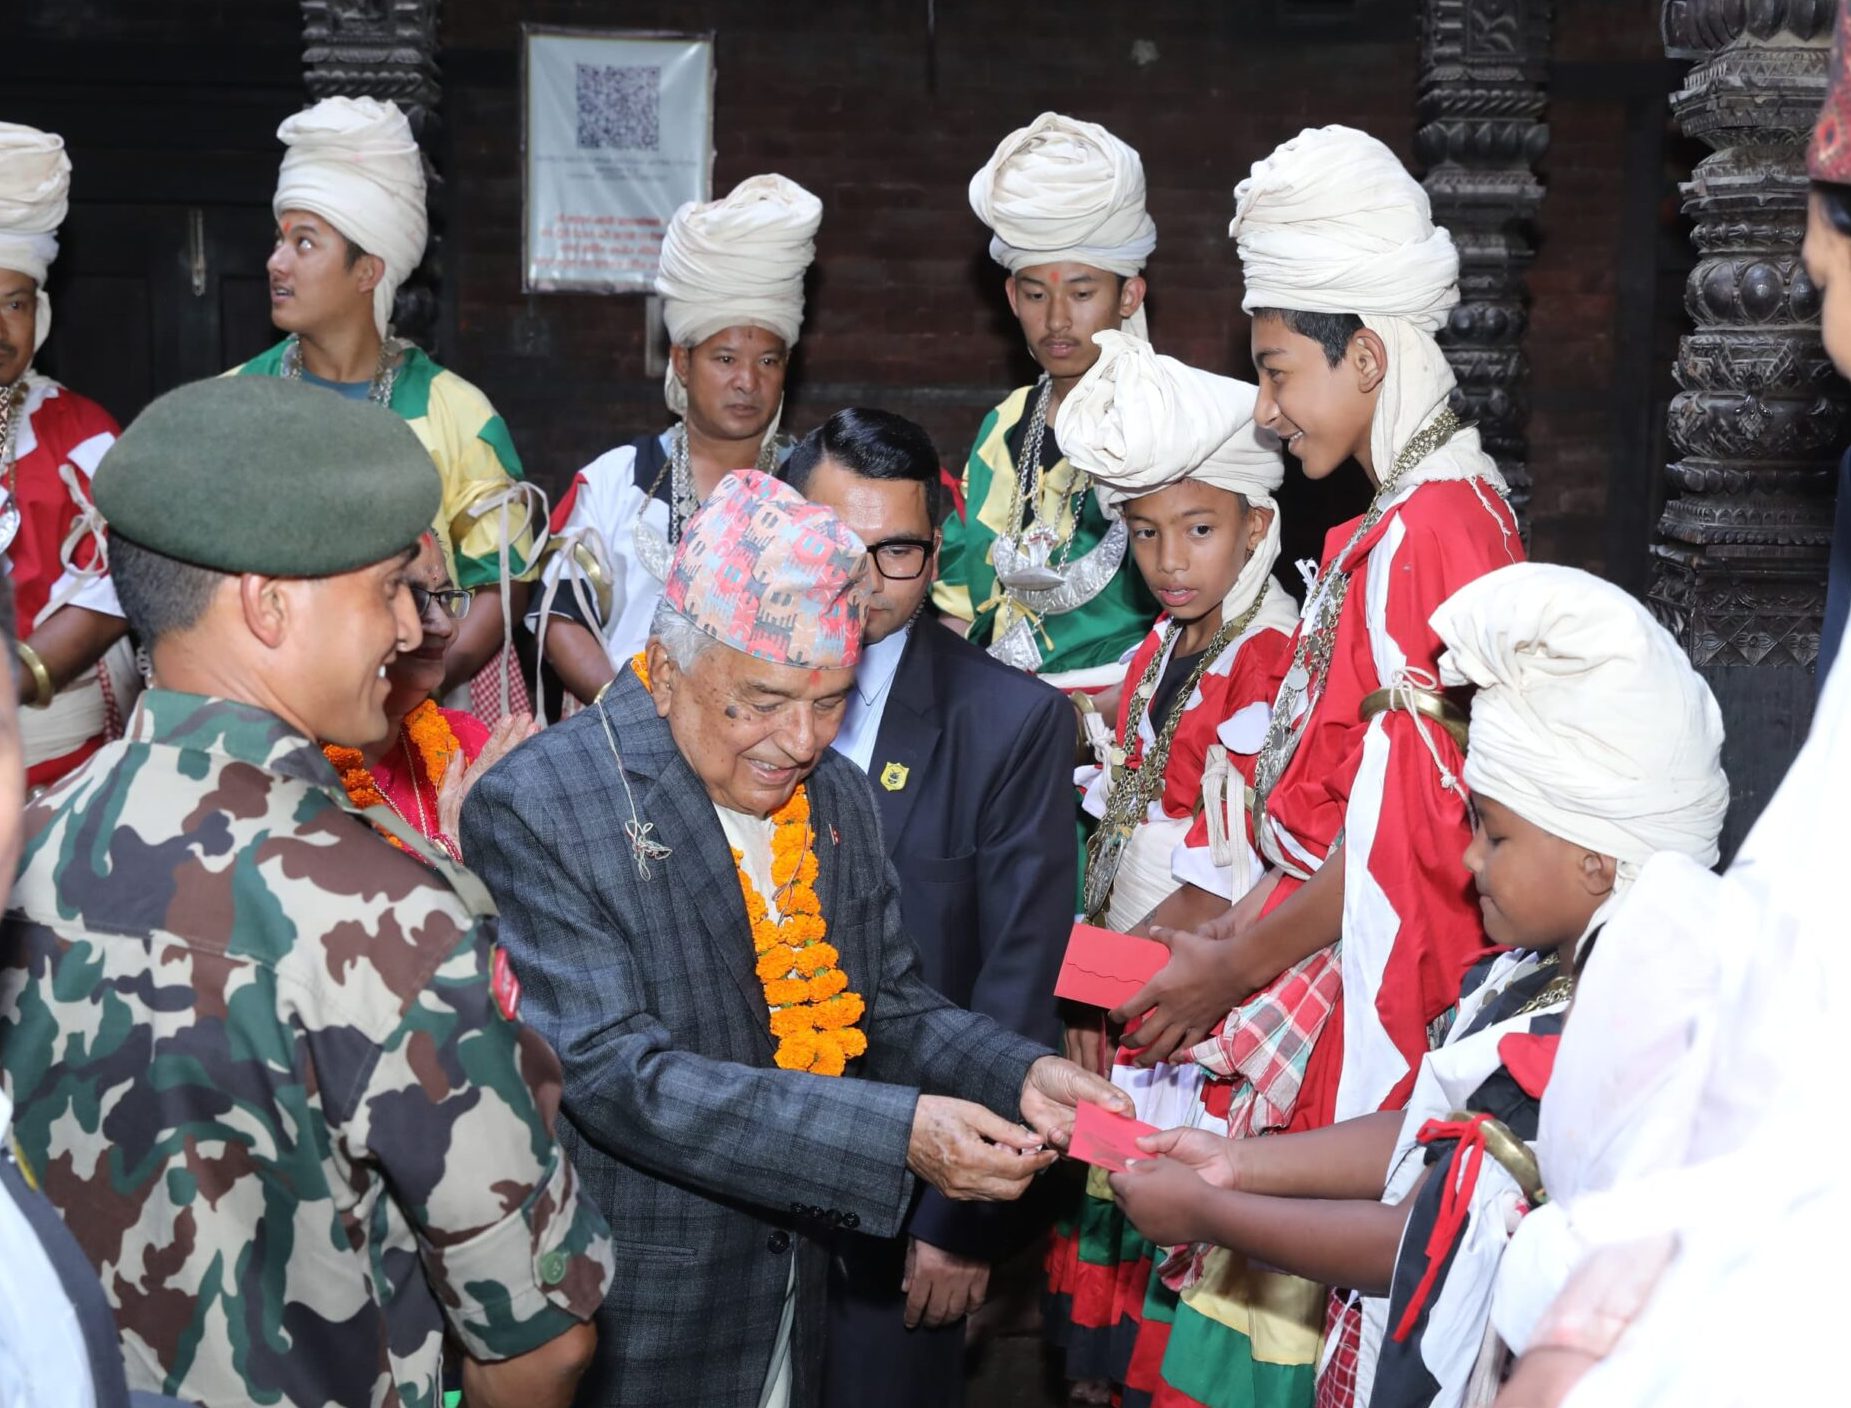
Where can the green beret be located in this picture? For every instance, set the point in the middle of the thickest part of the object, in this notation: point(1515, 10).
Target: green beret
point(258, 474)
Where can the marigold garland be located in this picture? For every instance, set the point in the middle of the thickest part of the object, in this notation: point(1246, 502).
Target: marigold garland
point(432, 744)
point(813, 1014)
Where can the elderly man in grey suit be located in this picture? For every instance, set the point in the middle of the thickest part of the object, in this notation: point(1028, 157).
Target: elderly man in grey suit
point(697, 904)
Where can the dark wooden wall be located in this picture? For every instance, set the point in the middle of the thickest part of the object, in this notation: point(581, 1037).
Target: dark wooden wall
point(172, 109)
point(169, 112)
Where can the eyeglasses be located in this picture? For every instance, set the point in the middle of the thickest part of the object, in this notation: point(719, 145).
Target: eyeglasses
point(902, 559)
point(452, 602)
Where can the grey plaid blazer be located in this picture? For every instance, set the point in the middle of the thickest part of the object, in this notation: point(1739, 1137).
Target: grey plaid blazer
point(712, 1166)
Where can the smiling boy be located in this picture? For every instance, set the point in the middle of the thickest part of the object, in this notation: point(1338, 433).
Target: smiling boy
point(1357, 806)
point(1594, 747)
point(1034, 566)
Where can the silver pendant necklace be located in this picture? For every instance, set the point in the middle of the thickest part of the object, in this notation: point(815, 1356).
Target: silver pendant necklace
point(1303, 686)
point(12, 409)
point(385, 373)
point(1031, 563)
point(655, 550)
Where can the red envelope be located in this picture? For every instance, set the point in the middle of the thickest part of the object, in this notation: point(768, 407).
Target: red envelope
point(1105, 1139)
point(1103, 968)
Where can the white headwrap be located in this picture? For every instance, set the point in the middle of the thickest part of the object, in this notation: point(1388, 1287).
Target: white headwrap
point(1064, 191)
point(1139, 421)
point(736, 261)
point(35, 183)
point(1745, 981)
point(1588, 721)
point(354, 162)
point(1332, 222)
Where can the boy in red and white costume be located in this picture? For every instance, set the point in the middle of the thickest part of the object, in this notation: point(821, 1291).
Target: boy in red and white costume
point(76, 672)
point(1174, 452)
point(1358, 808)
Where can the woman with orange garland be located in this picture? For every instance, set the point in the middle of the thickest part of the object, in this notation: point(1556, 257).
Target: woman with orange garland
point(430, 757)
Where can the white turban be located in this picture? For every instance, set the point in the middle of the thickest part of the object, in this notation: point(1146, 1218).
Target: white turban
point(1139, 421)
point(1064, 191)
point(35, 183)
point(737, 261)
point(1588, 721)
point(1332, 222)
point(354, 162)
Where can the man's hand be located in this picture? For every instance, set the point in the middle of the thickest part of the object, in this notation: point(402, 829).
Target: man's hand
point(1163, 1198)
point(459, 776)
point(941, 1286)
point(1055, 1086)
point(544, 1377)
point(1216, 1161)
point(1196, 989)
point(970, 1154)
point(1544, 1377)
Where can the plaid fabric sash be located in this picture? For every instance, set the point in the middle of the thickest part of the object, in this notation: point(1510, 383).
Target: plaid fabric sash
point(1266, 1042)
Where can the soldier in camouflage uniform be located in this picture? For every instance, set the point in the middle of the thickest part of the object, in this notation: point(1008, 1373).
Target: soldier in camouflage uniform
point(266, 1066)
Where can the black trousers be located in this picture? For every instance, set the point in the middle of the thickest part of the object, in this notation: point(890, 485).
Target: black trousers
point(869, 1356)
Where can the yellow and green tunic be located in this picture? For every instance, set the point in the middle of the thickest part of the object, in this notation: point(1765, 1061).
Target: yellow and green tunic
point(1098, 633)
point(473, 452)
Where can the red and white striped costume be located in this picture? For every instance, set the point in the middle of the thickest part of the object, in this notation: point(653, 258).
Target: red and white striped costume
point(1388, 787)
point(58, 559)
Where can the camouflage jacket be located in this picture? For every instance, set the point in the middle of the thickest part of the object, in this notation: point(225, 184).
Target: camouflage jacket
point(261, 1065)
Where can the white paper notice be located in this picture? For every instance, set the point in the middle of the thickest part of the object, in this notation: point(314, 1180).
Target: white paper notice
point(619, 136)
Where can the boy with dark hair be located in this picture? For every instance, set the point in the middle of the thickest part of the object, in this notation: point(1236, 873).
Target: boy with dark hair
point(350, 229)
point(1357, 805)
point(1594, 747)
point(1176, 453)
point(76, 677)
point(1035, 569)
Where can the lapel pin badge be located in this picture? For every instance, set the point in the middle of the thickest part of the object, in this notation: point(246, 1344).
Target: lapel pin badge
point(894, 775)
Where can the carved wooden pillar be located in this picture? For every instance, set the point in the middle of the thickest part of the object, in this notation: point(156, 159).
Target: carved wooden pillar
point(387, 49)
point(1483, 68)
point(1760, 417)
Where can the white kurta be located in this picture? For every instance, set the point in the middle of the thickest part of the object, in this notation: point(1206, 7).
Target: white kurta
point(607, 500)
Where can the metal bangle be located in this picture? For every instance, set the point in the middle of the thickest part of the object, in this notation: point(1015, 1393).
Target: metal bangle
point(41, 677)
point(1433, 704)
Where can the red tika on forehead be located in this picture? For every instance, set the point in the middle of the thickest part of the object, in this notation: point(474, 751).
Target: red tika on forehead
point(1829, 156)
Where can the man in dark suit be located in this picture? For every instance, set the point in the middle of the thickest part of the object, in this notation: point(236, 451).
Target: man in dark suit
point(972, 766)
point(728, 1104)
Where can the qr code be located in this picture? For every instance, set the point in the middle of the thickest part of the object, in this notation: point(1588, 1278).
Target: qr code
point(619, 107)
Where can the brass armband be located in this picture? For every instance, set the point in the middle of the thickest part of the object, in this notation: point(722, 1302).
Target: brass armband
point(603, 590)
point(1513, 1155)
point(41, 677)
point(1433, 704)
